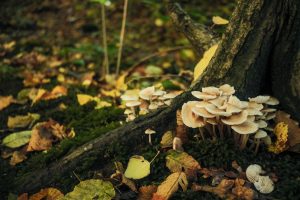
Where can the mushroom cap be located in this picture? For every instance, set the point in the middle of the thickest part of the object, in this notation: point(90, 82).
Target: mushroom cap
point(233, 100)
point(247, 127)
point(272, 101)
point(211, 90)
point(170, 95)
point(177, 144)
point(267, 140)
point(159, 93)
point(212, 121)
point(260, 99)
point(127, 111)
point(218, 101)
point(147, 93)
point(202, 112)
point(227, 90)
point(168, 102)
point(257, 106)
point(253, 171)
point(253, 111)
point(202, 104)
point(202, 95)
point(260, 134)
point(133, 103)
point(268, 110)
point(189, 118)
point(153, 106)
point(232, 109)
point(129, 97)
point(216, 111)
point(149, 131)
point(262, 123)
point(270, 116)
point(236, 119)
point(264, 184)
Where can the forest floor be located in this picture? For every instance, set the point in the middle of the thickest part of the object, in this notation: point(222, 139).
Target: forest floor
point(51, 74)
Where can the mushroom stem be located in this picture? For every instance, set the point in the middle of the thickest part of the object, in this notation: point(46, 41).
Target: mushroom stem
point(236, 137)
point(214, 132)
point(244, 140)
point(257, 146)
point(133, 111)
point(201, 133)
point(150, 141)
point(221, 131)
point(228, 130)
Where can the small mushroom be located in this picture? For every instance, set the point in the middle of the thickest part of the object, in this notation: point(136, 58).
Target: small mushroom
point(253, 172)
point(260, 99)
point(260, 134)
point(189, 118)
point(245, 129)
point(202, 95)
point(149, 132)
point(177, 144)
point(132, 105)
point(129, 97)
point(272, 101)
point(236, 119)
point(227, 90)
point(147, 93)
point(211, 90)
point(264, 184)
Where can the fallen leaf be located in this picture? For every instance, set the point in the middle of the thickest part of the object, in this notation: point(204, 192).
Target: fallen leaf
point(146, 192)
point(219, 20)
point(47, 193)
point(167, 188)
point(181, 129)
point(167, 139)
point(56, 92)
point(5, 101)
point(242, 192)
point(17, 139)
point(124, 180)
point(22, 121)
point(120, 83)
point(203, 63)
point(17, 157)
point(90, 189)
point(281, 133)
point(84, 99)
point(176, 161)
point(23, 196)
point(137, 167)
point(87, 78)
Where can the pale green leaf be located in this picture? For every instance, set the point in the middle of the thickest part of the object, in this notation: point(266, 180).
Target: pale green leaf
point(17, 139)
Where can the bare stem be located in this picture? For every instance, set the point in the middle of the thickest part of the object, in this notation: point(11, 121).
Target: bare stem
point(122, 33)
point(257, 146)
point(201, 133)
point(244, 140)
point(104, 41)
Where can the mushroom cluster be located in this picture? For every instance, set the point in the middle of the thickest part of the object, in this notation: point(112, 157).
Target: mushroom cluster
point(142, 102)
point(219, 113)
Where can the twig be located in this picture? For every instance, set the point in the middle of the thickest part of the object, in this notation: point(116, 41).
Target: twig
point(104, 40)
point(122, 37)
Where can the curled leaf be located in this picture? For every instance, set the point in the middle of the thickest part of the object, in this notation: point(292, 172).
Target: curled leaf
point(137, 168)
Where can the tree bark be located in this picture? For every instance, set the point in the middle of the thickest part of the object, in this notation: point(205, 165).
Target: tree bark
point(261, 41)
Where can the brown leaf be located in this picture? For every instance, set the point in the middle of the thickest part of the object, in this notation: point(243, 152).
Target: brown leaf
point(146, 192)
point(17, 157)
point(23, 196)
point(41, 138)
point(242, 192)
point(48, 193)
point(5, 101)
point(167, 139)
point(167, 188)
point(176, 161)
point(56, 92)
point(293, 128)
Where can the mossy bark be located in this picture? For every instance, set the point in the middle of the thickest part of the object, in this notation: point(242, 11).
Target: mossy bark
point(261, 41)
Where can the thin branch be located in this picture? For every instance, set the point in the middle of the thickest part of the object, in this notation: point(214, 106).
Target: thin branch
point(198, 35)
point(122, 37)
point(104, 40)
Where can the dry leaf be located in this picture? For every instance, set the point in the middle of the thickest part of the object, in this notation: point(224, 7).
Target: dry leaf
point(167, 188)
point(219, 20)
point(281, 133)
point(167, 139)
point(293, 129)
point(33, 78)
point(120, 173)
point(23, 196)
point(87, 78)
point(17, 157)
point(5, 101)
point(146, 192)
point(242, 192)
point(181, 129)
point(47, 193)
point(21, 121)
point(203, 63)
point(176, 161)
point(56, 92)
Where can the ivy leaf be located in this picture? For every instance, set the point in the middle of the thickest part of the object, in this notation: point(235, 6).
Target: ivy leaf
point(17, 139)
point(92, 189)
point(178, 160)
point(167, 188)
point(137, 168)
point(203, 63)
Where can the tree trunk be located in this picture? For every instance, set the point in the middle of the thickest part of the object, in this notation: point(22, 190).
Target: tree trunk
point(259, 53)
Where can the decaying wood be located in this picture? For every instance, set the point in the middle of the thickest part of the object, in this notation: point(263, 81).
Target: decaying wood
point(262, 37)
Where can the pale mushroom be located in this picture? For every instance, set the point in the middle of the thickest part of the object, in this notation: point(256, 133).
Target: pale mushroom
point(245, 129)
point(253, 172)
point(153, 106)
point(203, 113)
point(170, 95)
point(202, 95)
point(211, 90)
point(227, 90)
point(149, 132)
point(262, 123)
point(147, 93)
point(219, 102)
point(260, 134)
point(260, 99)
point(159, 93)
point(132, 105)
point(216, 111)
point(189, 118)
point(235, 119)
point(233, 100)
point(264, 184)
point(272, 101)
point(129, 97)
point(177, 144)
point(232, 109)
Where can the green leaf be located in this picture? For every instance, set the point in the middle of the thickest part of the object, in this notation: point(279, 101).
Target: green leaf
point(91, 189)
point(99, 1)
point(17, 139)
point(153, 70)
point(137, 168)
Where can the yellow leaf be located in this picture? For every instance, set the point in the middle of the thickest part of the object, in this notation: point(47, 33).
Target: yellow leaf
point(9, 45)
point(5, 101)
point(21, 121)
point(167, 139)
point(203, 63)
point(111, 93)
point(101, 104)
point(219, 20)
point(84, 99)
point(120, 84)
point(39, 95)
point(137, 168)
point(281, 132)
point(167, 188)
